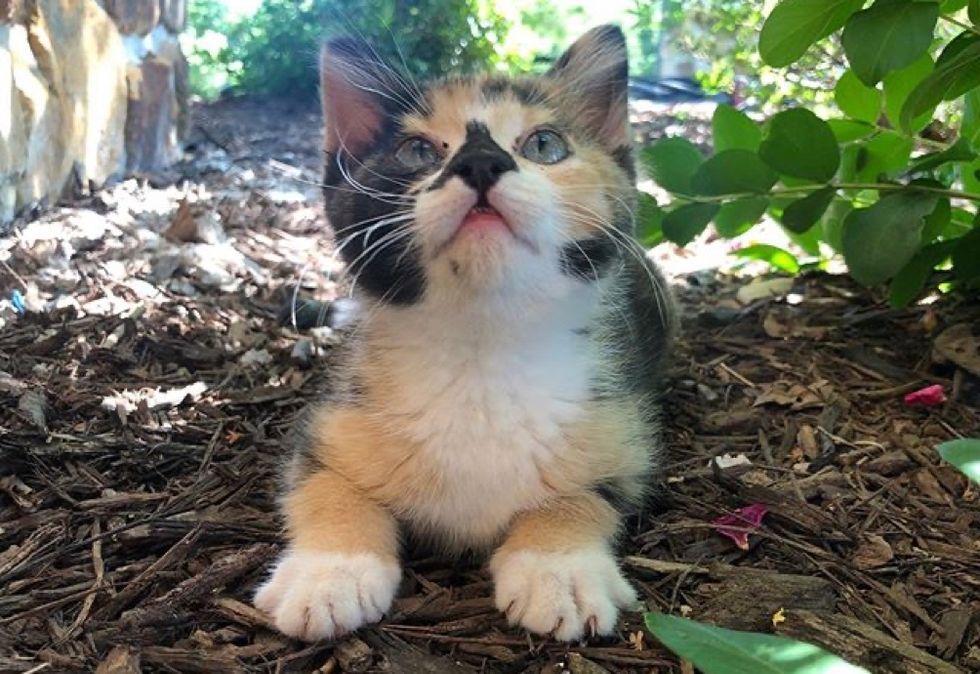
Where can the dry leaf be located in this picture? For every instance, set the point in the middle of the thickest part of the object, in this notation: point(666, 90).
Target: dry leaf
point(778, 325)
point(795, 396)
point(873, 552)
point(959, 345)
point(759, 289)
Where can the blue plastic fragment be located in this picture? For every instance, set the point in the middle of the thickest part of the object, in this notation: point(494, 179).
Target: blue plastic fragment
point(17, 300)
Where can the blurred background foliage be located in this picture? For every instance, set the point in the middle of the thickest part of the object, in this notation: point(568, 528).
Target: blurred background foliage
point(713, 41)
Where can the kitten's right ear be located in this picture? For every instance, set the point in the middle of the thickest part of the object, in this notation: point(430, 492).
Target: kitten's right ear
point(360, 94)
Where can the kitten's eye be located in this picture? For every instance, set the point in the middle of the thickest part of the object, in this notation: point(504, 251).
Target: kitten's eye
point(417, 153)
point(545, 147)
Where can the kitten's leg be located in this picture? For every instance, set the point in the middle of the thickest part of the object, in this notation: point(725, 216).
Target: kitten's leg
point(341, 568)
point(556, 572)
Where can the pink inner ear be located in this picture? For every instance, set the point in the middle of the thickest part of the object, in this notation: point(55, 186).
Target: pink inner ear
point(353, 114)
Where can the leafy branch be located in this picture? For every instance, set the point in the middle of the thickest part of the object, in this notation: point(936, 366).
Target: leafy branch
point(851, 182)
point(809, 189)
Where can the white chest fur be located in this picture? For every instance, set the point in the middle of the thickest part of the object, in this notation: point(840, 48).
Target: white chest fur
point(485, 401)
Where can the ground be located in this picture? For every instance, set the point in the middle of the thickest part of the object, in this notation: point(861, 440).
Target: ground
point(149, 381)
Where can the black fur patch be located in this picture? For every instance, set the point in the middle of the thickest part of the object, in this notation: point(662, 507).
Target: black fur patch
point(615, 494)
point(623, 156)
point(392, 271)
point(587, 259)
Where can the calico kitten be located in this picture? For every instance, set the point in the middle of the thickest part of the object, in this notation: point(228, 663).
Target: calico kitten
point(499, 391)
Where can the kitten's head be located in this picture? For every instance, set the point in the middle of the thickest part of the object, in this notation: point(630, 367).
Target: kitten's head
point(482, 185)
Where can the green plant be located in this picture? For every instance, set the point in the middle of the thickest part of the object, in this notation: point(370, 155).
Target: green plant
point(715, 650)
point(890, 184)
point(964, 454)
point(206, 46)
point(275, 50)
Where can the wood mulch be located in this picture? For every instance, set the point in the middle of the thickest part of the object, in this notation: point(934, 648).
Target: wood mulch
point(145, 393)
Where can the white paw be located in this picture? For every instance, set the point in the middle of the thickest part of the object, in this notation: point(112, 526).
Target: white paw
point(315, 595)
point(565, 593)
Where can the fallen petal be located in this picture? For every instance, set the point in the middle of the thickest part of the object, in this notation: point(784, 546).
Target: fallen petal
point(738, 525)
point(930, 396)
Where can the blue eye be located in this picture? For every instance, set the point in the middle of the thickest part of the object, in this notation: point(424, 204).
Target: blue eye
point(545, 147)
point(417, 153)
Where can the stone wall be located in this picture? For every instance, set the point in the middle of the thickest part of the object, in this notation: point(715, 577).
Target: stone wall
point(89, 89)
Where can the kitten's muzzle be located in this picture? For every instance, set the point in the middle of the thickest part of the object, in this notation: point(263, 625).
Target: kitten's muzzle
point(480, 161)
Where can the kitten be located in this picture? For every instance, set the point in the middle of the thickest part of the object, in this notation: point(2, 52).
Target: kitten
point(499, 391)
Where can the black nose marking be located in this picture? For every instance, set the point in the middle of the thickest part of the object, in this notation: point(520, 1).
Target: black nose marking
point(479, 162)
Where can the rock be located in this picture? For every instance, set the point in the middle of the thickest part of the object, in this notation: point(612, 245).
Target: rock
point(174, 14)
point(302, 353)
point(66, 81)
point(134, 16)
point(33, 404)
point(11, 10)
point(151, 126)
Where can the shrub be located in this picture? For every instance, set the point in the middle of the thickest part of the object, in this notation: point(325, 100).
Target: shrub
point(892, 189)
point(274, 51)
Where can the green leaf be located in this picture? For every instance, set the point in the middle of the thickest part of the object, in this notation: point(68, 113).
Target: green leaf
point(733, 172)
point(794, 25)
point(950, 80)
point(899, 84)
point(801, 145)
point(715, 650)
point(966, 255)
point(974, 12)
point(952, 6)
point(970, 125)
point(888, 36)
point(848, 130)
point(809, 240)
point(958, 152)
point(733, 130)
point(671, 162)
point(909, 282)
point(964, 454)
point(960, 223)
point(857, 100)
point(970, 175)
point(649, 221)
point(780, 259)
point(937, 221)
point(887, 154)
point(683, 224)
point(832, 223)
point(878, 241)
point(803, 213)
point(737, 217)
point(955, 46)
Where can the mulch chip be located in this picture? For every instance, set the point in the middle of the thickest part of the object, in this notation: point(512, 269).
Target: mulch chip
point(147, 388)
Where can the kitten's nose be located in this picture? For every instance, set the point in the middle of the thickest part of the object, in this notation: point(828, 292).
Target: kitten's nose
point(480, 161)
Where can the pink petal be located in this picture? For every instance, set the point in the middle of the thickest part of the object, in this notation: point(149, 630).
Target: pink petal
point(738, 525)
point(930, 396)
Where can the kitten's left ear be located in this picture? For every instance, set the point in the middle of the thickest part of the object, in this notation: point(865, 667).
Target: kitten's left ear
point(360, 93)
point(593, 77)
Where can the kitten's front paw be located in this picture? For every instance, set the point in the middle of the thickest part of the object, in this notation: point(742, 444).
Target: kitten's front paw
point(315, 595)
point(565, 593)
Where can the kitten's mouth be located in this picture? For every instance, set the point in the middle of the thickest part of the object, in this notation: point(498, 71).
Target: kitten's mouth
point(484, 218)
